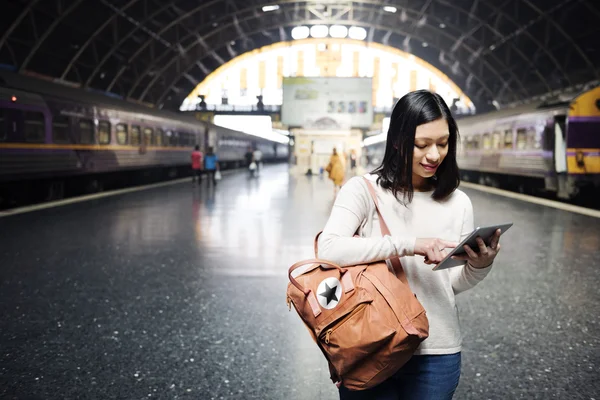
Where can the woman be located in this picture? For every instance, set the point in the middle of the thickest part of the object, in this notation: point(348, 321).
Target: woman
point(416, 187)
point(335, 168)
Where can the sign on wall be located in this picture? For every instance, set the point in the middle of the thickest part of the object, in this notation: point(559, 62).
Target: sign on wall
point(327, 103)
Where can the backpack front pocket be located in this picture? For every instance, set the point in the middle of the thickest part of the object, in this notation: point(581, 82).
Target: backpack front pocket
point(354, 337)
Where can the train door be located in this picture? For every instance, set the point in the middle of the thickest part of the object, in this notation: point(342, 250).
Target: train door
point(560, 144)
point(565, 186)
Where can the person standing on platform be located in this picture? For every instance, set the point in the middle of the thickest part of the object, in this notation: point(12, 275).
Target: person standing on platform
point(353, 158)
point(249, 157)
point(257, 156)
point(335, 168)
point(416, 187)
point(196, 164)
point(211, 165)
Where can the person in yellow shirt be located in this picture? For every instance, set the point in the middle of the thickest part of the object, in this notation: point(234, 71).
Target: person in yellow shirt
point(335, 168)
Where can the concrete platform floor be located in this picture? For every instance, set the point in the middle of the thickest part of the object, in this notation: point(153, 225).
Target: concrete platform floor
point(179, 292)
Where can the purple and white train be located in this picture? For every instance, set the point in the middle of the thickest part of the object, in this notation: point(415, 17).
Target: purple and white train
point(534, 148)
point(56, 139)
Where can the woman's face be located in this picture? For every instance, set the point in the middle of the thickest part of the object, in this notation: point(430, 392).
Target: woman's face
point(431, 147)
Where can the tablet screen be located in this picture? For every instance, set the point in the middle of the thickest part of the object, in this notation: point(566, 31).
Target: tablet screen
point(485, 233)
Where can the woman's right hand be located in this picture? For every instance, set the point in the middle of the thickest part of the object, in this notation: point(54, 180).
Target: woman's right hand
point(433, 249)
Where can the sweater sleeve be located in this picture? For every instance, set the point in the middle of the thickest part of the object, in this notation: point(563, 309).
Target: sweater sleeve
point(465, 277)
point(337, 243)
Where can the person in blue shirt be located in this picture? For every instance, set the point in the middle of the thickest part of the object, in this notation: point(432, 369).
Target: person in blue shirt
point(211, 165)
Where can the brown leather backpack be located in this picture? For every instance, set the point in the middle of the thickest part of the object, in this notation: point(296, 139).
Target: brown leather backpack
point(364, 318)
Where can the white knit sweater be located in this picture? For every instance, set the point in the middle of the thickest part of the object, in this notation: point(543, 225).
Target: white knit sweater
point(451, 219)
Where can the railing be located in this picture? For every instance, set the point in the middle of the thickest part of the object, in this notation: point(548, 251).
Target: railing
point(235, 108)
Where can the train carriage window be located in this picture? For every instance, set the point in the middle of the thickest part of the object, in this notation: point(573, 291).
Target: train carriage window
point(3, 124)
point(496, 140)
point(175, 139)
point(104, 132)
point(86, 131)
point(487, 141)
point(148, 134)
point(469, 144)
point(60, 129)
point(186, 139)
point(521, 139)
point(122, 134)
point(35, 126)
point(168, 138)
point(508, 139)
point(136, 134)
point(183, 138)
point(534, 139)
point(158, 138)
point(476, 141)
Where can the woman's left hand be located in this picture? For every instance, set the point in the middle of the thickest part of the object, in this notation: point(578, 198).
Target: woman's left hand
point(486, 254)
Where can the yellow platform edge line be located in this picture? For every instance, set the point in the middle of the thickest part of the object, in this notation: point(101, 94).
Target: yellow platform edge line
point(79, 199)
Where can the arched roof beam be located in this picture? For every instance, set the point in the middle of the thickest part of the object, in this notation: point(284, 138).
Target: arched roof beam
point(92, 37)
point(433, 27)
point(499, 11)
point(50, 29)
point(119, 44)
point(16, 22)
point(562, 32)
point(505, 38)
point(286, 24)
point(291, 23)
point(164, 29)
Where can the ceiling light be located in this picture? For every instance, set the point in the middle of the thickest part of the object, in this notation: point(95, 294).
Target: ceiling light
point(319, 31)
point(442, 25)
point(300, 32)
point(390, 9)
point(270, 8)
point(357, 33)
point(338, 31)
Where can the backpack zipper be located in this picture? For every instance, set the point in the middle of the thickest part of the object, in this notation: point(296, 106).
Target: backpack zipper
point(343, 321)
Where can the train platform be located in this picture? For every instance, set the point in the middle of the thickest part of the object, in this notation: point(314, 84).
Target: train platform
point(178, 292)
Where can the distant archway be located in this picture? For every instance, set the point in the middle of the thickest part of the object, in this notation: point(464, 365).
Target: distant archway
point(260, 72)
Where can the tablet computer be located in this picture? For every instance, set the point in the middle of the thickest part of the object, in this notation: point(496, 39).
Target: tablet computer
point(486, 234)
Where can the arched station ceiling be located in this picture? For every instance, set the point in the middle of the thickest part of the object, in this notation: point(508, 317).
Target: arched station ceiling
point(157, 51)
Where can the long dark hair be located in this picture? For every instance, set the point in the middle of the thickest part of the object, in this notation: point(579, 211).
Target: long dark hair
point(395, 172)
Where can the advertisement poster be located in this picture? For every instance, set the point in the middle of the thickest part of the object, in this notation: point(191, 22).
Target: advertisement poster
point(327, 103)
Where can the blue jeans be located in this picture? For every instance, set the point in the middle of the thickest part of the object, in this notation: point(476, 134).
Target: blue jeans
point(432, 377)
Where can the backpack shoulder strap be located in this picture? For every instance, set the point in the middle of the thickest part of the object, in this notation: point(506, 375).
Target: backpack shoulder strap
point(317, 244)
point(385, 231)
